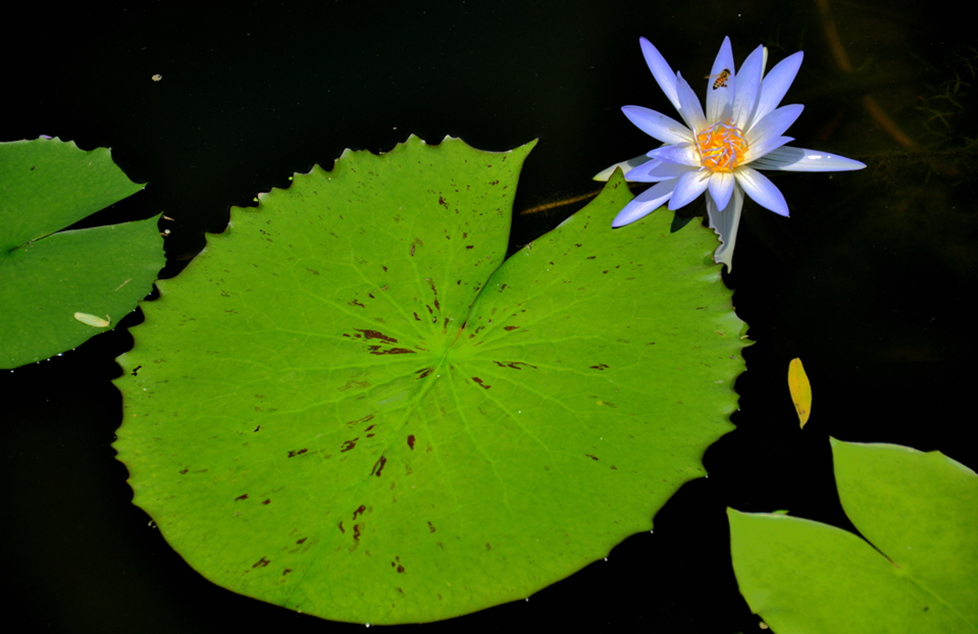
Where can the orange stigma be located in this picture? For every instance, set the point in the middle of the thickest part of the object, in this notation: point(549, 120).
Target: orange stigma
point(722, 147)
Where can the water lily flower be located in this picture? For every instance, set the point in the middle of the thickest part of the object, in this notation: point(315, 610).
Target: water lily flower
point(719, 152)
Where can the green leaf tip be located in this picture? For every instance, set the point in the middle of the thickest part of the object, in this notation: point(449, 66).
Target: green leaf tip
point(48, 274)
point(916, 570)
point(353, 405)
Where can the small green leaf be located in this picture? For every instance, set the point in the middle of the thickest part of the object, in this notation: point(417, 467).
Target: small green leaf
point(48, 275)
point(353, 405)
point(918, 571)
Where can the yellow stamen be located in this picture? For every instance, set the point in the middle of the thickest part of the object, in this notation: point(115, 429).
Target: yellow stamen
point(722, 147)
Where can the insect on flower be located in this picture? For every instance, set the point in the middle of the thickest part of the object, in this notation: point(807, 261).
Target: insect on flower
point(718, 152)
point(722, 78)
point(92, 320)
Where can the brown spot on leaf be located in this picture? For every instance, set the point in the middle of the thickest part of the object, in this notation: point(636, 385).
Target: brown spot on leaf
point(360, 511)
point(352, 384)
point(261, 563)
point(135, 370)
point(600, 366)
point(515, 365)
point(241, 497)
point(355, 303)
point(410, 440)
point(361, 420)
point(286, 571)
point(349, 444)
point(356, 532)
point(484, 386)
point(373, 334)
point(378, 466)
point(431, 527)
point(184, 472)
point(381, 351)
point(342, 530)
point(592, 457)
point(510, 328)
point(422, 373)
point(293, 454)
point(266, 501)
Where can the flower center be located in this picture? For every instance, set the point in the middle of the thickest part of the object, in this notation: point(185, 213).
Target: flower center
point(722, 147)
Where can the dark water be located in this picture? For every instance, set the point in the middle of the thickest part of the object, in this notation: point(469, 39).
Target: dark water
point(866, 282)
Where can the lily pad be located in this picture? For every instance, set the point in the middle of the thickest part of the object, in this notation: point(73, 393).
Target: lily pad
point(353, 405)
point(915, 571)
point(60, 288)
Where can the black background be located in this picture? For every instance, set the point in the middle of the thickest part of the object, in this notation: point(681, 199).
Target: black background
point(866, 282)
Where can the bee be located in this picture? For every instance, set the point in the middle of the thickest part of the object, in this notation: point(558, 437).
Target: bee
point(721, 78)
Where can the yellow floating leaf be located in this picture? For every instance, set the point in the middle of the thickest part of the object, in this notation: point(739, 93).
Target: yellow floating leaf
point(801, 390)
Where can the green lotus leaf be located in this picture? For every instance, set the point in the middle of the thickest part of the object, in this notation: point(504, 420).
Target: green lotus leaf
point(916, 571)
point(351, 404)
point(60, 288)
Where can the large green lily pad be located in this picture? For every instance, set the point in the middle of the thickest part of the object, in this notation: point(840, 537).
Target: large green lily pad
point(47, 276)
point(916, 571)
point(350, 404)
